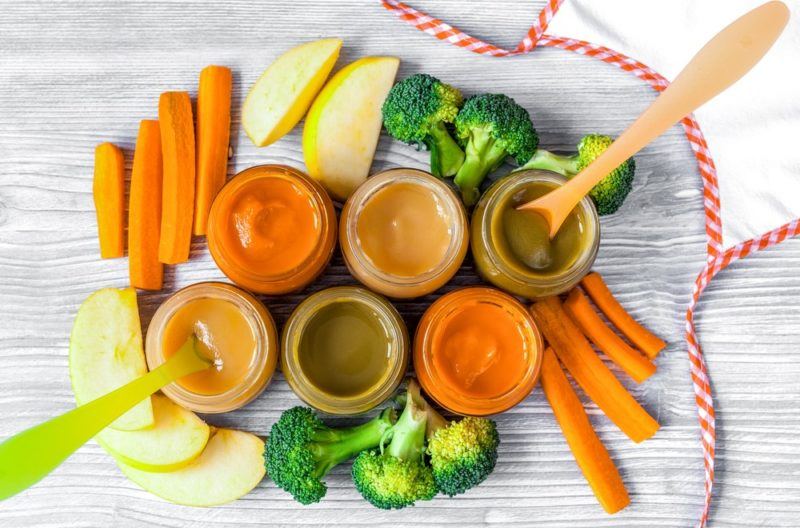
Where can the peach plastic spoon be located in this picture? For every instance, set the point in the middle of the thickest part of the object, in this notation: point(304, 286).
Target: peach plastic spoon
point(29, 456)
point(719, 64)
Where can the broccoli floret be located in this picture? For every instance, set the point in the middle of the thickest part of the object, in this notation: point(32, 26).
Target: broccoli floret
point(398, 476)
point(301, 449)
point(462, 453)
point(612, 190)
point(416, 110)
point(492, 126)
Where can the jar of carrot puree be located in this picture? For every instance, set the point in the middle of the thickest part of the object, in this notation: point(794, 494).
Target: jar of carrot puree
point(231, 326)
point(272, 229)
point(403, 233)
point(477, 351)
point(344, 350)
point(513, 250)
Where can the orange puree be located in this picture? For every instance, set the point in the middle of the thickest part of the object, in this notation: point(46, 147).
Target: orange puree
point(477, 351)
point(404, 229)
point(223, 333)
point(272, 229)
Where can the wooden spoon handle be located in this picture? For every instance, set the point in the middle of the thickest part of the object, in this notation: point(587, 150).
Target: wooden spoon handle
point(27, 457)
point(719, 64)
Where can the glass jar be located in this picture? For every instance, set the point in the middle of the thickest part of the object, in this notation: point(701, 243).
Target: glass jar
point(259, 369)
point(403, 233)
point(477, 351)
point(339, 339)
point(272, 229)
point(497, 265)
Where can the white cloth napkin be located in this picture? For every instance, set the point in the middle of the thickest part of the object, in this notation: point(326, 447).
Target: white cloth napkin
point(752, 129)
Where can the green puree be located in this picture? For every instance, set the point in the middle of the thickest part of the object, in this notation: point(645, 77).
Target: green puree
point(522, 240)
point(344, 350)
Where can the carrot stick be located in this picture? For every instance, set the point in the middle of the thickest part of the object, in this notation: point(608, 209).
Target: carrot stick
point(108, 190)
point(575, 352)
point(144, 210)
point(177, 203)
point(213, 134)
point(644, 340)
point(589, 452)
point(631, 361)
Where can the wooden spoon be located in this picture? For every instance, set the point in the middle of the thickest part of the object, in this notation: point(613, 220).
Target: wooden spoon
point(29, 456)
point(719, 64)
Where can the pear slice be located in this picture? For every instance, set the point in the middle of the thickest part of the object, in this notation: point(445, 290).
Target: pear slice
point(105, 352)
point(283, 93)
point(176, 439)
point(231, 465)
point(342, 128)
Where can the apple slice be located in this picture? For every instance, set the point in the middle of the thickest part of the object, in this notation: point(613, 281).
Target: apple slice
point(231, 465)
point(105, 352)
point(176, 439)
point(281, 96)
point(344, 123)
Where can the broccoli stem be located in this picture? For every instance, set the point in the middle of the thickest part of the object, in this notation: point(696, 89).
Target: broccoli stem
point(333, 446)
point(446, 156)
point(546, 160)
point(408, 434)
point(483, 155)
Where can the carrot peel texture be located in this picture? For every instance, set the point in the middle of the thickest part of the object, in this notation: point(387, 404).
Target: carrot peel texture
point(108, 190)
point(586, 367)
point(589, 452)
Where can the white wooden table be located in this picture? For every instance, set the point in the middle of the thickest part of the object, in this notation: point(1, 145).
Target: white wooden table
point(73, 74)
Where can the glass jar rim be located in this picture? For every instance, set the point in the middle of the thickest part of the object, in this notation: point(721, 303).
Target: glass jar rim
point(366, 191)
point(442, 392)
point(302, 386)
point(324, 210)
point(262, 365)
point(508, 185)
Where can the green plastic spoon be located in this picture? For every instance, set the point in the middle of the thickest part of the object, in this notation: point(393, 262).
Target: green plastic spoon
point(29, 456)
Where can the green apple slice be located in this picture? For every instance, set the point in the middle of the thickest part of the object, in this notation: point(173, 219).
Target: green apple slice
point(105, 352)
point(231, 465)
point(343, 126)
point(175, 440)
point(283, 93)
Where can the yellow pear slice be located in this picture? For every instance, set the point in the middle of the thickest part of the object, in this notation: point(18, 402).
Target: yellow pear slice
point(176, 439)
point(283, 93)
point(105, 352)
point(231, 465)
point(342, 128)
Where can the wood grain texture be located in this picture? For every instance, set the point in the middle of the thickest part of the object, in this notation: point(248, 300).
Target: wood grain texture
point(73, 74)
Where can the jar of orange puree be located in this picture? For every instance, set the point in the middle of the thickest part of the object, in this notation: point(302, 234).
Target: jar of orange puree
point(404, 233)
point(477, 351)
point(272, 229)
point(231, 326)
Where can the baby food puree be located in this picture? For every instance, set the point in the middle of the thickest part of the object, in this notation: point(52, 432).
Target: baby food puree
point(477, 351)
point(403, 233)
point(272, 229)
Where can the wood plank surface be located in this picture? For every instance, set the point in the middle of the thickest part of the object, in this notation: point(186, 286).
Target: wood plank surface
point(73, 74)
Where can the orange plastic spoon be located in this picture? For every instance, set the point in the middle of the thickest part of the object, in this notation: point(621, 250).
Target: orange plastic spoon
point(720, 63)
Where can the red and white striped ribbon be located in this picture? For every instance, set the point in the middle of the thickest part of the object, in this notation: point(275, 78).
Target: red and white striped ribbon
point(717, 258)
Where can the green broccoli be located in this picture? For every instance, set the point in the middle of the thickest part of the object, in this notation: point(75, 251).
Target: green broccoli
point(398, 476)
point(462, 454)
point(492, 126)
point(416, 111)
point(301, 449)
point(612, 190)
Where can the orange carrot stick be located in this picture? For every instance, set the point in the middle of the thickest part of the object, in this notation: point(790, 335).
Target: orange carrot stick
point(144, 210)
point(631, 361)
point(644, 340)
point(213, 134)
point(177, 197)
point(575, 352)
point(589, 452)
point(108, 190)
